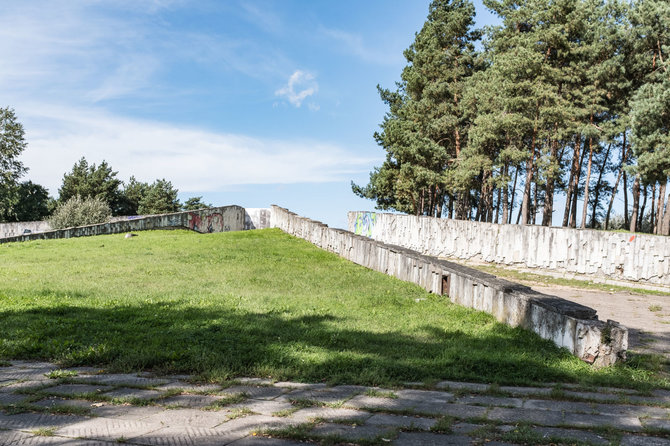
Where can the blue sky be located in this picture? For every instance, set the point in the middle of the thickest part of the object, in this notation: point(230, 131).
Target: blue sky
point(242, 102)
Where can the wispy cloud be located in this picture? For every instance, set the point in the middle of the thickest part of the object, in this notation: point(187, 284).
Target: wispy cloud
point(301, 85)
point(354, 44)
point(193, 159)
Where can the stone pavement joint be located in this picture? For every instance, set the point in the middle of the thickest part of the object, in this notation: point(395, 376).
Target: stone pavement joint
point(140, 409)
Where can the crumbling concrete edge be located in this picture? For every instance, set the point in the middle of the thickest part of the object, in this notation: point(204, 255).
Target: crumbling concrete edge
point(216, 219)
point(568, 324)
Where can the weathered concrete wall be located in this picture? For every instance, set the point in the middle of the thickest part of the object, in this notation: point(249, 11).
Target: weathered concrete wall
point(23, 227)
point(218, 219)
point(566, 323)
point(611, 255)
point(257, 218)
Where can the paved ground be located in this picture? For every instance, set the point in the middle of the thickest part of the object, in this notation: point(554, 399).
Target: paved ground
point(84, 407)
point(646, 316)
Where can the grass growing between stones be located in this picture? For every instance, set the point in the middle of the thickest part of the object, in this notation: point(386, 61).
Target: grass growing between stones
point(262, 304)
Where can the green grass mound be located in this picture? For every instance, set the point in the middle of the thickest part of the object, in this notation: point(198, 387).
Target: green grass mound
point(257, 303)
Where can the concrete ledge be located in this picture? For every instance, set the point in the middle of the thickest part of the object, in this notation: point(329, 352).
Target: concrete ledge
point(621, 256)
point(568, 324)
point(217, 219)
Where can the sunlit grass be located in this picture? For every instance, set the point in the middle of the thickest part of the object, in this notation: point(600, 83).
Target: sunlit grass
point(256, 303)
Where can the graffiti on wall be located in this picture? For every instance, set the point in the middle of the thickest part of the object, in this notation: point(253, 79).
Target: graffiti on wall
point(207, 223)
point(365, 222)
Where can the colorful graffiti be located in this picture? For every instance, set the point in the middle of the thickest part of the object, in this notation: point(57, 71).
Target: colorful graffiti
point(207, 223)
point(365, 223)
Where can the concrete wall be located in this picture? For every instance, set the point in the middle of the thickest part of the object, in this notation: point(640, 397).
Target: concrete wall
point(218, 219)
point(566, 323)
point(257, 218)
point(23, 227)
point(641, 258)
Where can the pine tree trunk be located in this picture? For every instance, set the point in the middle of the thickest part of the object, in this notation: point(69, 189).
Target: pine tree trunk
point(659, 211)
point(571, 183)
point(548, 212)
point(636, 203)
point(644, 205)
point(575, 194)
point(616, 185)
point(505, 198)
point(511, 211)
point(525, 204)
point(626, 221)
point(665, 226)
point(596, 196)
point(652, 211)
point(586, 185)
point(534, 209)
point(451, 207)
point(497, 219)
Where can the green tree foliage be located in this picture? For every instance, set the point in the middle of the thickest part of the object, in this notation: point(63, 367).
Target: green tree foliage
point(160, 198)
point(33, 202)
point(91, 181)
point(194, 203)
point(78, 211)
point(565, 97)
point(424, 130)
point(12, 144)
point(132, 195)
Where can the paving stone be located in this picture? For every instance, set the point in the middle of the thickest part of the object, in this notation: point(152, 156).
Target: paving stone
point(514, 390)
point(328, 414)
point(189, 388)
point(30, 421)
point(256, 392)
point(571, 434)
point(124, 411)
point(190, 400)
point(8, 437)
point(186, 436)
point(563, 406)
point(484, 400)
point(424, 395)
point(425, 439)
point(61, 402)
point(12, 398)
point(140, 394)
point(255, 381)
point(74, 389)
point(618, 421)
point(453, 385)
point(627, 409)
point(253, 423)
point(462, 410)
point(296, 385)
point(60, 441)
point(21, 386)
point(465, 428)
point(401, 421)
point(593, 395)
point(638, 440)
point(353, 432)
point(657, 423)
point(107, 429)
point(326, 395)
point(544, 417)
point(123, 380)
point(186, 417)
point(263, 407)
point(264, 441)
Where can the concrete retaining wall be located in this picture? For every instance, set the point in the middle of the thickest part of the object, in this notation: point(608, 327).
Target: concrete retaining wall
point(566, 323)
point(641, 258)
point(218, 219)
point(23, 227)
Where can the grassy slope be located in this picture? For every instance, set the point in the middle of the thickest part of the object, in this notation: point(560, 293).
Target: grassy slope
point(256, 303)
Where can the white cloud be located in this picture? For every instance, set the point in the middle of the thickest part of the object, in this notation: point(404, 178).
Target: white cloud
point(353, 44)
point(194, 160)
point(301, 85)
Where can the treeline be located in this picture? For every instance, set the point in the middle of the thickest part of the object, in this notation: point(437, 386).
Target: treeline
point(27, 201)
point(567, 97)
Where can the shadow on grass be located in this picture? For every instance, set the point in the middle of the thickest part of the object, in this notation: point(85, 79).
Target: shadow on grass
point(221, 343)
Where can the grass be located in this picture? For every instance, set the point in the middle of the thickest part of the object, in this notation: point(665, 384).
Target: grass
point(655, 308)
point(524, 276)
point(59, 374)
point(260, 304)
